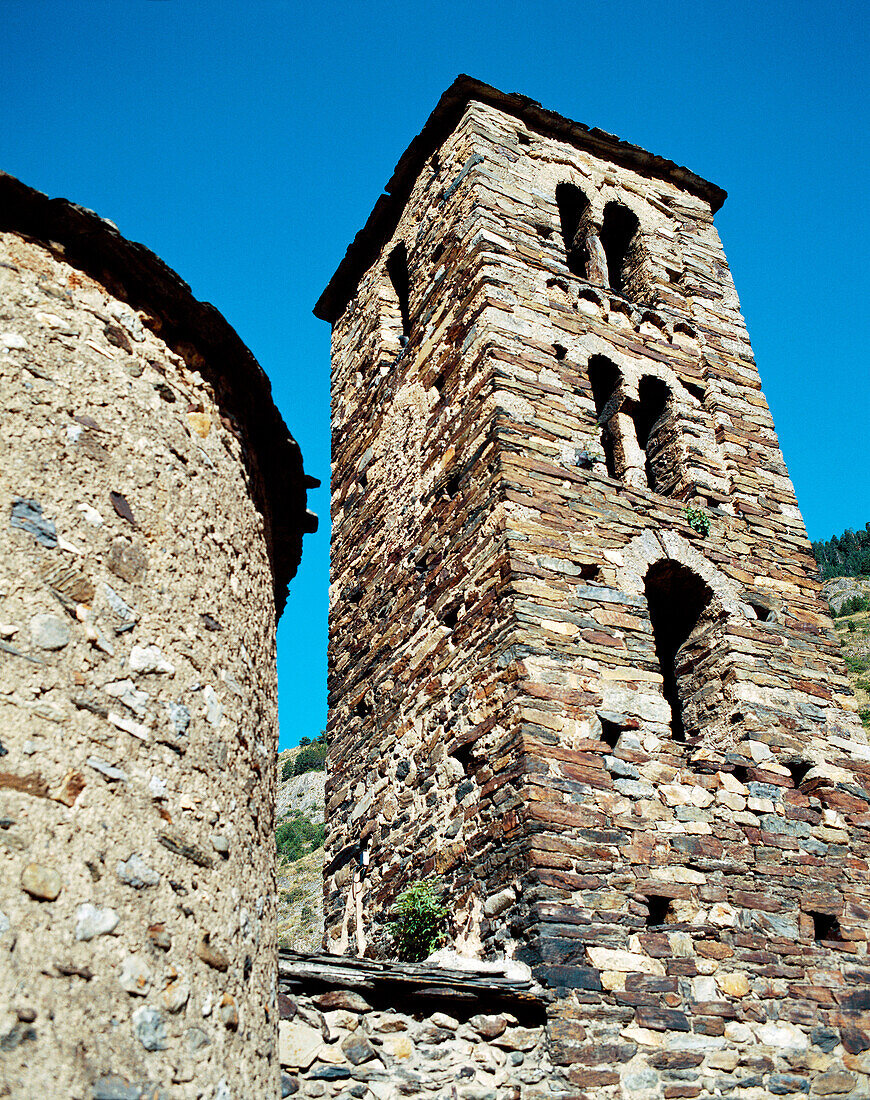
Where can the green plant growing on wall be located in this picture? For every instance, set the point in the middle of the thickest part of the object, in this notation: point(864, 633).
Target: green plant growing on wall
point(698, 520)
point(419, 920)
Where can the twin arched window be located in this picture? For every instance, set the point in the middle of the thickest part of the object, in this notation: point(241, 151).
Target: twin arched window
point(638, 436)
point(610, 255)
point(640, 439)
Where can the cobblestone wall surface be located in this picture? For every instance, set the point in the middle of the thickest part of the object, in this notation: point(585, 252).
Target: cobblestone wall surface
point(405, 1031)
point(137, 708)
point(696, 897)
point(339, 1044)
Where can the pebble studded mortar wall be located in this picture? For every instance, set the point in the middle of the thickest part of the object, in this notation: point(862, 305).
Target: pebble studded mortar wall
point(620, 731)
point(137, 675)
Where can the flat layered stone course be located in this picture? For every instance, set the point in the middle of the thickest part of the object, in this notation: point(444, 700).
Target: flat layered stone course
point(354, 1027)
point(357, 1027)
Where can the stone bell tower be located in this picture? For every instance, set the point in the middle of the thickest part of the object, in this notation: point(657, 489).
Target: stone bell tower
point(579, 663)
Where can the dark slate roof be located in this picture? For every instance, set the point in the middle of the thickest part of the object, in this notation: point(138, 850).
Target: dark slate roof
point(383, 220)
point(135, 275)
point(402, 983)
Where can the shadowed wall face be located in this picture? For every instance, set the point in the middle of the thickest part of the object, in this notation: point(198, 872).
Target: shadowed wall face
point(579, 664)
point(138, 704)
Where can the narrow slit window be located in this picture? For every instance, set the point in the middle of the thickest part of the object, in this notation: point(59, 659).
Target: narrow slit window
point(610, 732)
point(658, 910)
point(826, 928)
point(362, 709)
point(798, 770)
point(762, 612)
point(397, 269)
point(450, 617)
point(464, 754)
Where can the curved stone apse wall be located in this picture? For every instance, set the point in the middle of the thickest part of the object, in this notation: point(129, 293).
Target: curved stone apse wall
point(137, 675)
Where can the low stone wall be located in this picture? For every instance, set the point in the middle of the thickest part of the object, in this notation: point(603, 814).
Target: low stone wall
point(364, 1029)
point(356, 1028)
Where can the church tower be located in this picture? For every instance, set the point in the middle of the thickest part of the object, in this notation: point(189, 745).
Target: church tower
point(580, 667)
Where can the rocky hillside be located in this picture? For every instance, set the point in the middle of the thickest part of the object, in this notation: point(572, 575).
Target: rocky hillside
point(853, 630)
point(840, 590)
point(300, 896)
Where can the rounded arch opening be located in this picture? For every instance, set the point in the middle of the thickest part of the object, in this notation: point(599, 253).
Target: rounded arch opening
point(574, 216)
point(684, 625)
point(620, 237)
point(604, 380)
point(652, 435)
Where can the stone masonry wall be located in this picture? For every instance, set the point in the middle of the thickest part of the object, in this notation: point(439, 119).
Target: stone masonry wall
point(338, 1042)
point(138, 705)
point(696, 889)
point(419, 622)
point(698, 905)
point(363, 1030)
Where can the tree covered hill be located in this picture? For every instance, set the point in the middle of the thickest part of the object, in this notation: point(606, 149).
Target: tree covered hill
point(846, 555)
point(299, 834)
point(844, 562)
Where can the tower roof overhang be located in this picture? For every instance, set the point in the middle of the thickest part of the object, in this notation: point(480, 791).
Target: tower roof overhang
point(381, 223)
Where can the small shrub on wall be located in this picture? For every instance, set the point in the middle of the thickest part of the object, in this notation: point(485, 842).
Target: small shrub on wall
point(419, 921)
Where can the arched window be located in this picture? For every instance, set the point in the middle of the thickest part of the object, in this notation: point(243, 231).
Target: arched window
point(620, 236)
point(688, 645)
point(397, 269)
point(653, 429)
point(574, 213)
point(640, 438)
point(605, 379)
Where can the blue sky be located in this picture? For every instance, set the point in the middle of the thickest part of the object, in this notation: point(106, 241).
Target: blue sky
point(245, 143)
